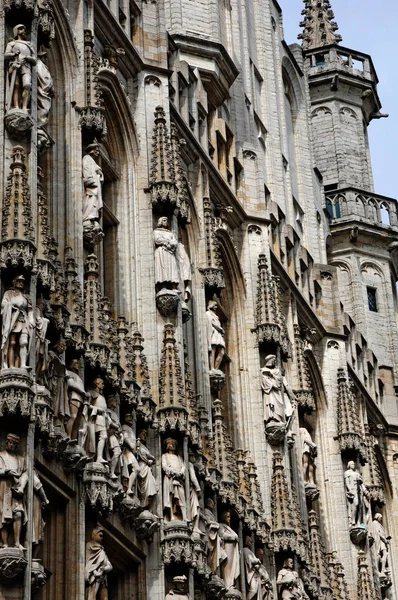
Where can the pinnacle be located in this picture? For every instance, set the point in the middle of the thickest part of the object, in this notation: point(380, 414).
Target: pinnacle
point(318, 25)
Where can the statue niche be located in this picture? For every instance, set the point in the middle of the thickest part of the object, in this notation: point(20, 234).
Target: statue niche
point(309, 452)
point(278, 397)
point(167, 277)
point(174, 501)
point(93, 179)
point(20, 59)
point(17, 325)
point(358, 503)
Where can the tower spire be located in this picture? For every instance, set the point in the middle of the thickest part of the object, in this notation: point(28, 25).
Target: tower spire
point(318, 25)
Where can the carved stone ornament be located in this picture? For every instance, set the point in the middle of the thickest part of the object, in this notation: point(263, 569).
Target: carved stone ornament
point(39, 577)
point(311, 492)
point(167, 302)
point(12, 564)
point(16, 396)
point(177, 544)
point(232, 594)
point(44, 412)
point(275, 432)
point(213, 277)
point(99, 489)
point(146, 525)
point(350, 433)
point(18, 123)
point(26, 4)
point(215, 587)
point(217, 380)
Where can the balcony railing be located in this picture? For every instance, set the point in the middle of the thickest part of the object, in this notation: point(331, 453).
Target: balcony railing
point(343, 60)
point(351, 203)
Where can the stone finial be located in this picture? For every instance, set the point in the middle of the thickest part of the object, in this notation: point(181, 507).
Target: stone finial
point(184, 211)
point(304, 392)
point(365, 587)
point(349, 428)
point(373, 477)
point(318, 25)
point(172, 413)
point(337, 578)
point(283, 521)
point(317, 552)
point(225, 460)
point(162, 172)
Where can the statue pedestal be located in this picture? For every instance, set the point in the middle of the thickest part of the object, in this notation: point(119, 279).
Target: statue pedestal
point(18, 123)
point(39, 577)
point(311, 492)
point(275, 432)
point(12, 563)
point(99, 489)
point(177, 544)
point(358, 534)
point(215, 587)
point(385, 580)
point(44, 414)
point(146, 525)
point(217, 380)
point(16, 395)
point(167, 302)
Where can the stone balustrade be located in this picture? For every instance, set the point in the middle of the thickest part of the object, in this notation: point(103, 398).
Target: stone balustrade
point(364, 206)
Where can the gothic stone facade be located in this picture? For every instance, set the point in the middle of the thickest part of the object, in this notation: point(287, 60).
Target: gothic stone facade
point(199, 352)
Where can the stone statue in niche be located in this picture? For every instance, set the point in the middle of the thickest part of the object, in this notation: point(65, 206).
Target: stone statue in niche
point(215, 337)
point(358, 501)
point(309, 453)
point(97, 566)
point(13, 480)
point(98, 422)
point(174, 501)
point(20, 57)
point(289, 584)
point(93, 179)
point(17, 325)
point(252, 569)
point(278, 397)
point(194, 493)
point(45, 90)
point(57, 382)
point(381, 549)
point(230, 567)
point(115, 437)
point(146, 483)
point(265, 589)
point(40, 502)
point(215, 549)
point(178, 592)
point(41, 342)
point(77, 396)
point(166, 269)
point(186, 279)
point(45, 94)
point(130, 466)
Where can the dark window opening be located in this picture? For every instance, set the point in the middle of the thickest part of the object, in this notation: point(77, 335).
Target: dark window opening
point(372, 301)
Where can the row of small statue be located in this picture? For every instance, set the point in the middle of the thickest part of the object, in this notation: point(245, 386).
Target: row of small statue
point(259, 585)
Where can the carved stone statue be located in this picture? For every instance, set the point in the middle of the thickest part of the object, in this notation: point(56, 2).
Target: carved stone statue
point(215, 550)
point(185, 271)
point(13, 480)
point(381, 547)
point(289, 584)
point(278, 396)
point(41, 342)
point(266, 592)
point(178, 591)
point(357, 496)
point(215, 337)
point(93, 179)
point(57, 381)
point(166, 269)
point(309, 452)
point(21, 57)
point(97, 567)
point(174, 501)
point(45, 91)
point(17, 325)
point(98, 422)
point(40, 501)
point(230, 568)
point(130, 466)
point(77, 404)
point(252, 566)
point(146, 483)
point(195, 492)
point(115, 437)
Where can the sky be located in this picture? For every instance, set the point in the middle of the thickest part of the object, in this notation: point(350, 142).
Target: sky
point(370, 27)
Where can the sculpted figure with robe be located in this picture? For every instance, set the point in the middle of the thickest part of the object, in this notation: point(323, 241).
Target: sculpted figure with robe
point(166, 269)
point(146, 482)
point(97, 567)
point(174, 501)
point(277, 394)
point(45, 91)
point(381, 546)
point(289, 584)
point(76, 426)
point(230, 568)
point(98, 422)
point(93, 179)
point(178, 591)
point(215, 550)
point(17, 325)
point(357, 496)
point(13, 480)
point(215, 337)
